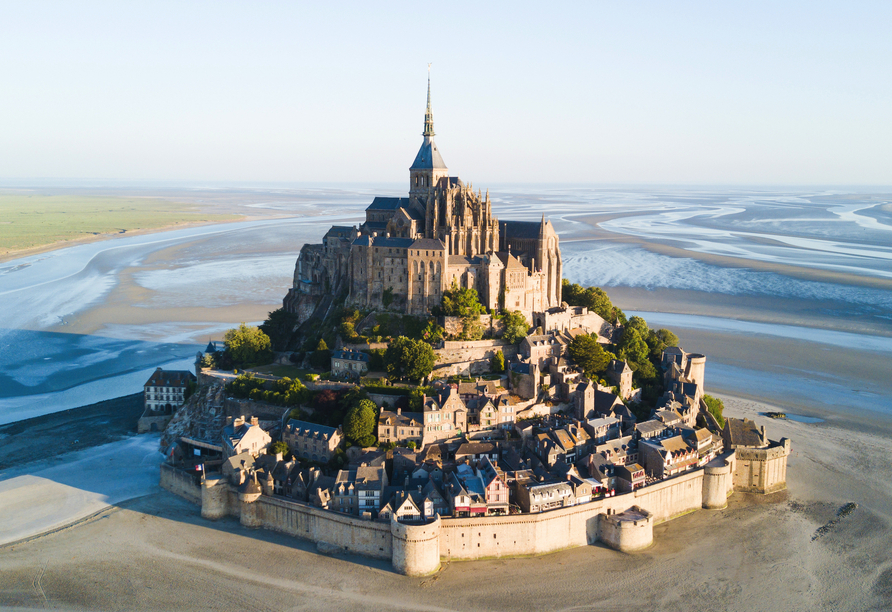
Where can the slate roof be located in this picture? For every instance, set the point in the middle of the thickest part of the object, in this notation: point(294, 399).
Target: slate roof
point(428, 243)
point(322, 432)
point(385, 203)
point(169, 378)
point(744, 432)
point(428, 156)
point(521, 229)
point(350, 355)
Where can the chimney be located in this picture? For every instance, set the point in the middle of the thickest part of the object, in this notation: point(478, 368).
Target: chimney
point(254, 421)
point(228, 421)
point(399, 411)
point(238, 421)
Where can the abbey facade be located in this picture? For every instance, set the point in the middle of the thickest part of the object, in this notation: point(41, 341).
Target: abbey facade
point(411, 249)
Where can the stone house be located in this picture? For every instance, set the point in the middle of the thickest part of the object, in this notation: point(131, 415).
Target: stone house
point(620, 375)
point(536, 496)
point(399, 426)
point(629, 477)
point(359, 491)
point(667, 456)
point(349, 362)
point(494, 487)
point(239, 436)
point(566, 317)
point(445, 415)
point(311, 441)
point(163, 393)
point(602, 429)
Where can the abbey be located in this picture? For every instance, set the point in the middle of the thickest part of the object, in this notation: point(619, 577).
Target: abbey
point(410, 249)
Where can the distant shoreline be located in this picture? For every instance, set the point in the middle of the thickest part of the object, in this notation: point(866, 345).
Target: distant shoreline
point(61, 244)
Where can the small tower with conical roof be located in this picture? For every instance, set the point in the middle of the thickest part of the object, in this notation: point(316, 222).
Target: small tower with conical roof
point(428, 167)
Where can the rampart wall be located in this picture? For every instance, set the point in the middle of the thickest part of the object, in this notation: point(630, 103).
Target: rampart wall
point(180, 483)
point(624, 522)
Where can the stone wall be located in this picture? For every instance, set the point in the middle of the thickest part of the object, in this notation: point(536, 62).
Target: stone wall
point(180, 483)
point(762, 470)
point(470, 357)
point(454, 326)
point(624, 521)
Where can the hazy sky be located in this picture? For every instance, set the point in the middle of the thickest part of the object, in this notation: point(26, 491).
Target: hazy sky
point(594, 92)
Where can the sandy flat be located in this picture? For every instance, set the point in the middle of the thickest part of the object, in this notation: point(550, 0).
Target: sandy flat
point(758, 554)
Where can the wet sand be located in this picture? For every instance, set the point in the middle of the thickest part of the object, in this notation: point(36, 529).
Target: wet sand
point(760, 553)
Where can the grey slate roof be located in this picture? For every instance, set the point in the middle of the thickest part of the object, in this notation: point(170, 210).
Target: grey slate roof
point(432, 244)
point(385, 203)
point(521, 229)
point(428, 156)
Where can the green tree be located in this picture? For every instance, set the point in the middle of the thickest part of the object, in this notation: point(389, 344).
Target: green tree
point(407, 358)
point(715, 407)
point(497, 363)
point(387, 297)
point(247, 345)
point(321, 357)
point(460, 302)
point(278, 447)
point(631, 347)
point(589, 355)
point(432, 332)
point(279, 326)
point(658, 341)
point(593, 298)
point(516, 326)
point(360, 422)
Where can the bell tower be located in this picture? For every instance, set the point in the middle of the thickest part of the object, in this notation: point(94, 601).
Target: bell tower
point(428, 167)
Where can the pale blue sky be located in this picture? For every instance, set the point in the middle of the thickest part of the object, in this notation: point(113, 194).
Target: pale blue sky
point(593, 92)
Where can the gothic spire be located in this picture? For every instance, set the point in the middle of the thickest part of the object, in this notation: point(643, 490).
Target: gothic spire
point(428, 115)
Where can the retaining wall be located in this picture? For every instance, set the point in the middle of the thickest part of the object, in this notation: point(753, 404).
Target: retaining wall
point(180, 483)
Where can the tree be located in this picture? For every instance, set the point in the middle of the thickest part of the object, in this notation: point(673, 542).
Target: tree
point(593, 298)
point(588, 354)
point(360, 422)
point(279, 326)
point(631, 347)
point(715, 407)
point(321, 357)
point(516, 326)
point(497, 363)
point(278, 447)
point(407, 358)
point(247, 345)
point(460, 302)
point(658, 341)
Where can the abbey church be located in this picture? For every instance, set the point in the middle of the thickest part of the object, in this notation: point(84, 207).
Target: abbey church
point(411, 249)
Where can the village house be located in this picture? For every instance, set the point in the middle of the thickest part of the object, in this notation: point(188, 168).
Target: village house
point(349, 362)
point(240, 436)
point(629, 477)
point(311, 441)
point(667, 456)
point(445, 415)
point(535, 496)
point(602, 429)
point(399, 427)
point(163, 393)
point(620, 375)
point(494, 487)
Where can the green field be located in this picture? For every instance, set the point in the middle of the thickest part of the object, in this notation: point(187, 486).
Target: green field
point(28, 221)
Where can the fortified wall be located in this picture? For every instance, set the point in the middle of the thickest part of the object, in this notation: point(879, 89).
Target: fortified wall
point(624, 522)
point(470, 357)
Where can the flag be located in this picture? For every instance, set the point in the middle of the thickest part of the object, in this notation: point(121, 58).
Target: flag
point(199, 467)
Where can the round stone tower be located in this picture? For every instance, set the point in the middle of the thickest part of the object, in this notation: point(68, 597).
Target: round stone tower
point(717, 482)
point(249, 511)
point(697, 368)
point(416, 548)
point(214, 497)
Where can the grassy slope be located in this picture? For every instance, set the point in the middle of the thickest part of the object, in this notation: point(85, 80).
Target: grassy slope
point(28, 221)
